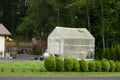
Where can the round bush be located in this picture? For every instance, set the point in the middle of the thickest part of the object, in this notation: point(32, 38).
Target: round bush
point(117, 68)
point(68, 64)
point(12, 70)
point(2, 69)
point(59, 64)
point(83, 65)
point(98, 66)
point(105, 65)
point(112, 66)
point(91, 66)
point(50, 64)
point(33, 68)
point(76, 65)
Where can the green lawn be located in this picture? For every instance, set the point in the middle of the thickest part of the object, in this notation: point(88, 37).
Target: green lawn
point(22, 66)
point(62, 74)
point(36, 68)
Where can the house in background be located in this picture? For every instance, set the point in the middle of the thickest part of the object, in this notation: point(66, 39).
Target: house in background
point(71, 42)
point(3, 33)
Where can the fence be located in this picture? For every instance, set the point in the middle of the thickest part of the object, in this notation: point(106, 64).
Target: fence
point(18, 46)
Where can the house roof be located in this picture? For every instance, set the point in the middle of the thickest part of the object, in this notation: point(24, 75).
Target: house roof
point(65, 32)
point(3, 30)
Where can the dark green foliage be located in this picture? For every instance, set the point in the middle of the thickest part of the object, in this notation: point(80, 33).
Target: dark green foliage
point(59, 64)
point(2, 69)
point(112, 66)
point(33, 68)
point(68, 64)
point(106, 53)
point(112, 53)
point(76, 65)
point(12, 70)
point(23, 69)
point(31, 18)
point(36, 52)
point(117, 64)
point(91, 66)
point(98, 55)
point(98, 66)
point(50, 64)
point(105, 65)
point(83, 65)
point(117, 52)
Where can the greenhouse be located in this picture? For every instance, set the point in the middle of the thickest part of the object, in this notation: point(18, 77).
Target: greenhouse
point(71, 42)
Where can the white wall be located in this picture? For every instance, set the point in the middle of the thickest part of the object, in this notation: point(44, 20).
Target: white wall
point(2, 45)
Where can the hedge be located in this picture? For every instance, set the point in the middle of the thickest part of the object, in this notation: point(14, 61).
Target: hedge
point(76, 65)
point(59, 64)
point(91, 66)
point(112, 66)
point(83, 65)
point(50, 64)
point(98, 66)
point(105, 65)
point(117, 68)
point(68, 64)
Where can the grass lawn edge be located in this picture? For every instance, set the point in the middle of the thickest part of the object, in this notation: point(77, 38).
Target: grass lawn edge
point(60, 74)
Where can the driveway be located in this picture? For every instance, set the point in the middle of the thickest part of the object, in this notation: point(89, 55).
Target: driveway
point(59, 78)
point(20, 57)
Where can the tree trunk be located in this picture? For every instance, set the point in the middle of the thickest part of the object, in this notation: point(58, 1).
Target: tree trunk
point(103, 36)
point(88, 17)
point(58, 14)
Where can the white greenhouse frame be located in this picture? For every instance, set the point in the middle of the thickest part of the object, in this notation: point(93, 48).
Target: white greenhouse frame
point(71, 42)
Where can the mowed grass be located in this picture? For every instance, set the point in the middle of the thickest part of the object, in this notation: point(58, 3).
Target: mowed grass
point(22, 66)
point(36, 68)
point(60, 74)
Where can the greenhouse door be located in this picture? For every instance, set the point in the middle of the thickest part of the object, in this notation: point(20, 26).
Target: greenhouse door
point(57, 46)
point(2, 42)
point(90, 55)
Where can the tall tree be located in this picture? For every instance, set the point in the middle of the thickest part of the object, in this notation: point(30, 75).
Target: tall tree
point(103, 36)
point(44, 15)
point(11, 12)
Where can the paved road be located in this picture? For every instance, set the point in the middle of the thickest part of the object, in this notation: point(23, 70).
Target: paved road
point(59, 78)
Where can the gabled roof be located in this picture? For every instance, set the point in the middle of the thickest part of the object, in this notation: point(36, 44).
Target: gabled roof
point(3, 30)
point(65, 32)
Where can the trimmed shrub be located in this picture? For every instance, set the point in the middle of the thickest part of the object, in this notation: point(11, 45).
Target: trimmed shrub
point(91, 66)
point(117, 68)
point(112, 66)
point(50, 64)
point(12, 70)
point(76, 65)
point(68, 64)
point(23, 69)
point(83, 65)
point(59, 64)
point(33, 68)
point(105, 65)
point(2, 69)
point(98, 66)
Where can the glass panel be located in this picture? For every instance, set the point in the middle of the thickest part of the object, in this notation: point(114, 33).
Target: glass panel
point(90, 55)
